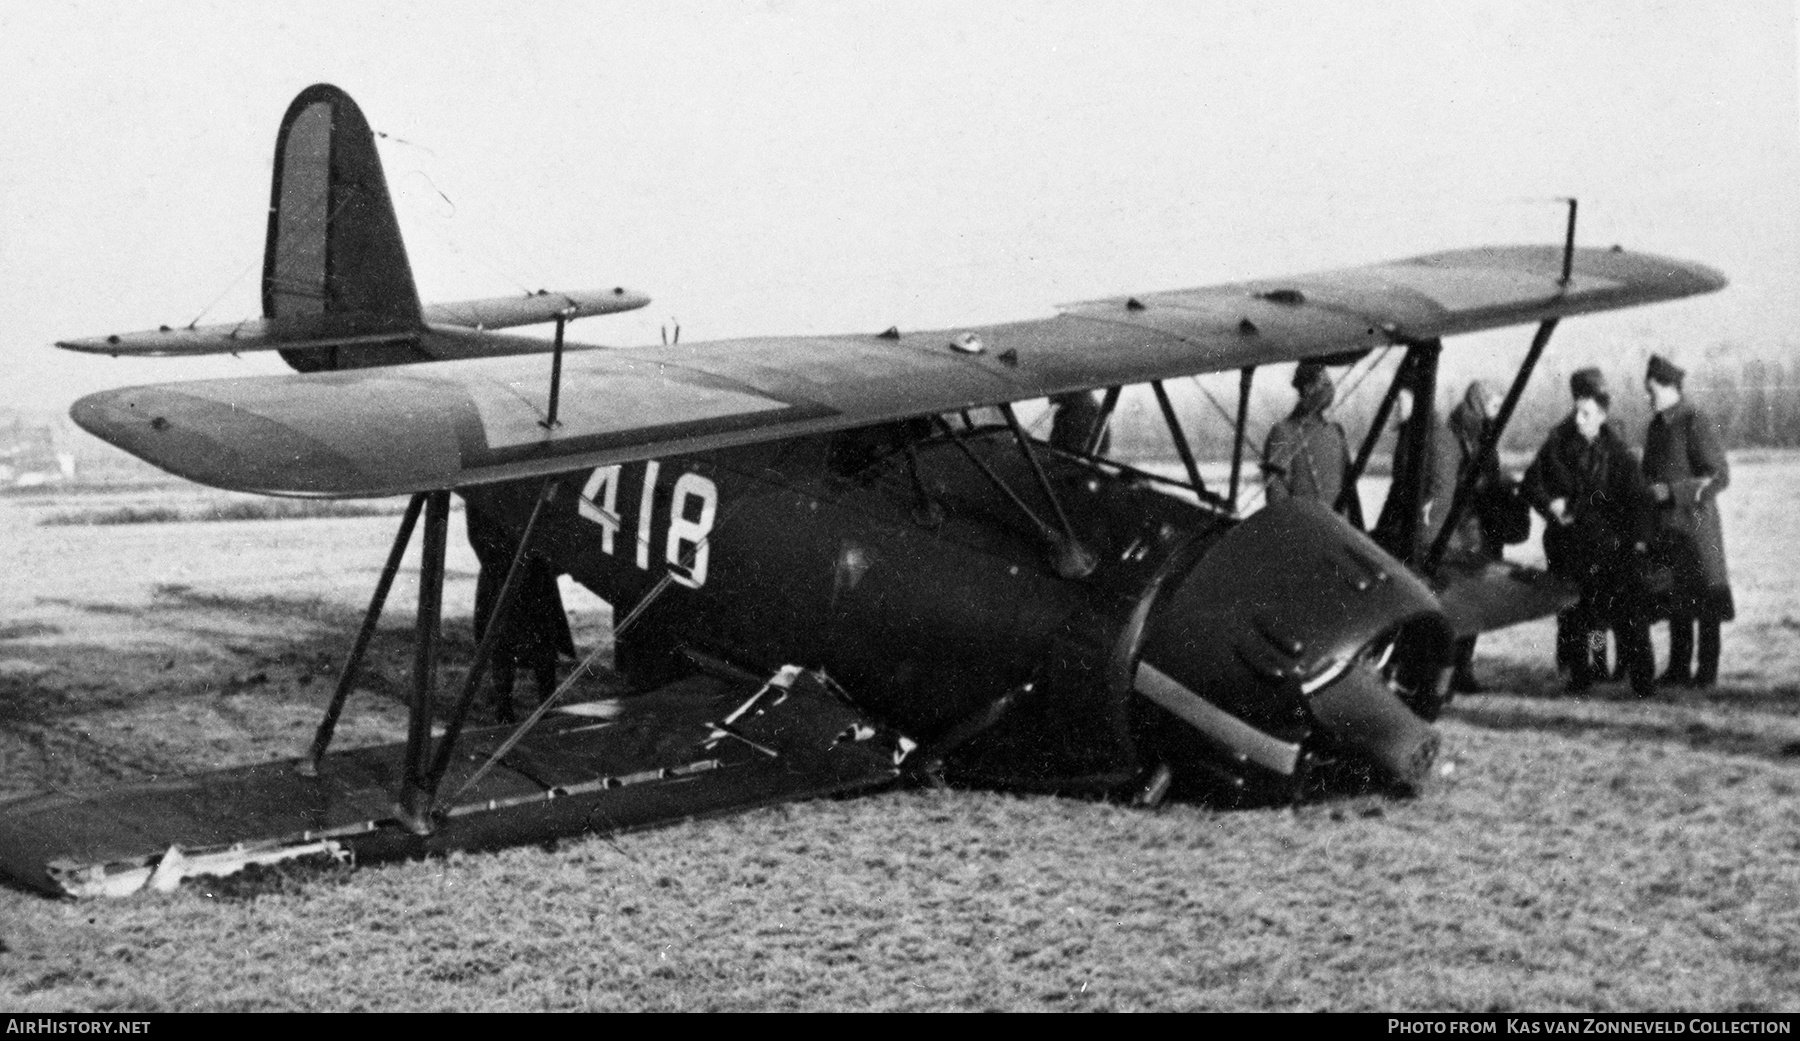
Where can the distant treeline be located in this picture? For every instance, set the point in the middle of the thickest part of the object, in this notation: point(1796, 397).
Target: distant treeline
point(1756, 404)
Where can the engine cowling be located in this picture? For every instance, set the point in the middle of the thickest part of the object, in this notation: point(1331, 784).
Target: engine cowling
point(1294, 637)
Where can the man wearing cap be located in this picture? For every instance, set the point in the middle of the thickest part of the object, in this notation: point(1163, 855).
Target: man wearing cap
point(1685, 465)
point(1306, 455)
point(1586, 483)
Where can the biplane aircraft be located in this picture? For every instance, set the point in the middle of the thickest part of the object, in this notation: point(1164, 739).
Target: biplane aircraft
point(827, 572)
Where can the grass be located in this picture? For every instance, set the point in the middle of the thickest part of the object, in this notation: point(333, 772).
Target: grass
point(1582, 855)
point(234, 510)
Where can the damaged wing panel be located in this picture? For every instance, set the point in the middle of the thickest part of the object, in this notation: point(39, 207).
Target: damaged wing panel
point(695, 748)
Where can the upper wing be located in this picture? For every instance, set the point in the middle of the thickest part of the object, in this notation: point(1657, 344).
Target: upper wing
point(385, 431)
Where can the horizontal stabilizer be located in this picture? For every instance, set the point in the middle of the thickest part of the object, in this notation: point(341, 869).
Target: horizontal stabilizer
point(316, 330)
point(267, 334)
point(504, 312)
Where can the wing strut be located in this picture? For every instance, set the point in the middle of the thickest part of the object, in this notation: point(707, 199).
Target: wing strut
point(424, 766)
point(415, 803)
point(1072, 558)
point(1245, 376)
point(1048, 533)
point(1098, 434)
point(1376, 427)
point(1464, 497)
point(347, 679)
point(1180, 439)
point(490, 639)
point(1569, 246)
point(1422, 364)
point(1462, 501)
point(926, 511)
point(562, 320)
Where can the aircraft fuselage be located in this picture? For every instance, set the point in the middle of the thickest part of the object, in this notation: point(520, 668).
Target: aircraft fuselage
point(903, 566)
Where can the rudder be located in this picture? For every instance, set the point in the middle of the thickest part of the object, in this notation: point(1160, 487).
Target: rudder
point(334, 244)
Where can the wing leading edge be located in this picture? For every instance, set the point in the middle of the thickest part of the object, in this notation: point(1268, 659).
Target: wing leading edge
point(393, 430)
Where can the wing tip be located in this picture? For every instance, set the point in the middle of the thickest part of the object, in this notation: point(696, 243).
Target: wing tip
point(93, 344)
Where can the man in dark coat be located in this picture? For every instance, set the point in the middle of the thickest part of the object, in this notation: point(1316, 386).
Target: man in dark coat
point(1686, 467)
point(1077, 418)
point(536, 629)
point(1390, 525)
point(1306, 455)
point(1587, 484)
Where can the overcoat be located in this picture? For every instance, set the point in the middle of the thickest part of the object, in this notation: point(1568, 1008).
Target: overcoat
point(1406, 466)
point(1306, 457)
point(1607, 498)
point(1682, 450)
point(1077, 417)
point(537, 629)
point(1454, 446)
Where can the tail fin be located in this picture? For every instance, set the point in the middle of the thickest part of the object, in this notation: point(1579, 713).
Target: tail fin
point(334, 245)
point(337, 291)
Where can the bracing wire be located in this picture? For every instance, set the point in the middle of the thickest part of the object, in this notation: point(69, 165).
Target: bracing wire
point(223, 293)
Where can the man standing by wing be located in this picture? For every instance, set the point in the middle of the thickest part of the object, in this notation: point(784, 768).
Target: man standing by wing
point(1458, 457)
point(1586, 483)
point(1307, 456)
point(1077, 419)
point(536, 629)
point(1686, 467)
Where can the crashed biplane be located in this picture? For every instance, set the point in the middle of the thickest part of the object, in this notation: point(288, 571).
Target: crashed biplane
point(825, 572)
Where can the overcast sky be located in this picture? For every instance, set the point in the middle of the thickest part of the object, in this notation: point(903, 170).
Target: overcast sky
point(807, 168)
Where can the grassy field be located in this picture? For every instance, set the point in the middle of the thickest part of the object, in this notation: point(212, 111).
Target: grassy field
point(1583, 854)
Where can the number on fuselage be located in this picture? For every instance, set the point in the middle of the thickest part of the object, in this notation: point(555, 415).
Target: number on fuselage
point(693, 507)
